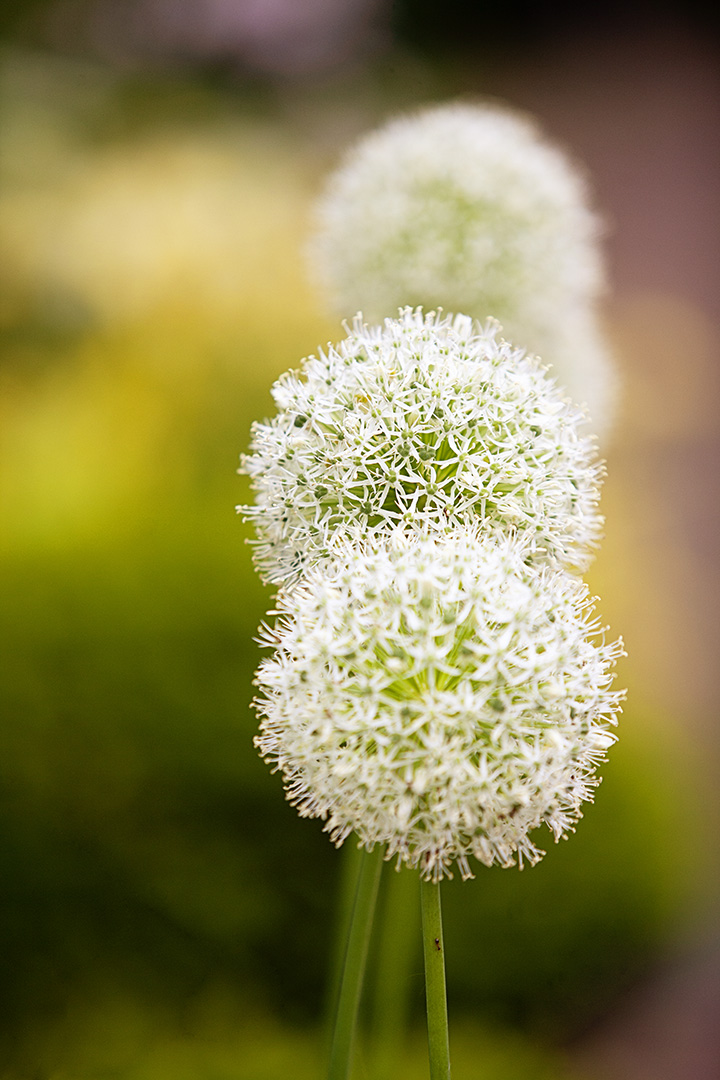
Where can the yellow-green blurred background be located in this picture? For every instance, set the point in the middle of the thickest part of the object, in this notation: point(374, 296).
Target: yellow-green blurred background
point(163, 913)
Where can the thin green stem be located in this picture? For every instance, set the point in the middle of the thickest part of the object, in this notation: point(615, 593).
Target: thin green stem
point(354, 970)
point(435, 992)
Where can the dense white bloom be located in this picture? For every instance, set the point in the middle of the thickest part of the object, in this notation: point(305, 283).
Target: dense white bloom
point(439, 696)
point(426, 422)
point(465, 207)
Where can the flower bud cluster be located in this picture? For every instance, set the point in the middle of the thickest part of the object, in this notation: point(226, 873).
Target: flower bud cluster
point(467, 208)
point(427, 422)
point(436, 697)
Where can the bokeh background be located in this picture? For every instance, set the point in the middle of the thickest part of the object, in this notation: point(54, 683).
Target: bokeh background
point(163, 913)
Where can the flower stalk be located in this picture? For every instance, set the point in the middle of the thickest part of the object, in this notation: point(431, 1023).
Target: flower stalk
point(355, 960)
point(435, 992)
point(351, 859)
point(398, 947)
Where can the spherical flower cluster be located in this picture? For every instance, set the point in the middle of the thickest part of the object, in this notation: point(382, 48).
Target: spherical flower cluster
point(466, 208)
point(439, 696)
point(425, 423)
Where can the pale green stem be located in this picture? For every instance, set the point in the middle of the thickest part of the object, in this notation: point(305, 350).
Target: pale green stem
point(400, 924)
point(354, 969)
point(435, 992)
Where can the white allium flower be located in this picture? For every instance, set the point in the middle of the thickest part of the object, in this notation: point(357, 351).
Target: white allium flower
point(426, 422)
point(439, 696)
point(466, 208)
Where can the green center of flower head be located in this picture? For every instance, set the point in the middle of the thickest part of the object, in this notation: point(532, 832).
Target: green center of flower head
point(464, 241)
point(438, 695)
point(429, 647)
point(412, 456)
point(427, 423)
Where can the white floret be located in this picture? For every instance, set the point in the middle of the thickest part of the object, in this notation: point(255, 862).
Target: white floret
point(438, 696)
point(467, 208)
point(427, 422)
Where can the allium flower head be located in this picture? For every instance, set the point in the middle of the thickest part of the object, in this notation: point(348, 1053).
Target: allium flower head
point(425, 423)
point(439, 696)
point(465, 207)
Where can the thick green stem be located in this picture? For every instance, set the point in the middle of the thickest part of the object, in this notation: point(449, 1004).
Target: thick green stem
point(398, 951)
point(350, 858)
point(354, 970)
point(435, 993)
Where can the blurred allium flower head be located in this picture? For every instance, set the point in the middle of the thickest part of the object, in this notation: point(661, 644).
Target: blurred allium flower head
point(466, 208)
point(439, 696)
point(427, 422)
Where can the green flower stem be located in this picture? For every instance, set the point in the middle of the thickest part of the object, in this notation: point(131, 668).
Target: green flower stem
point(435, 993)
point(400, 924)
point(351, 859)
point(354, 970)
